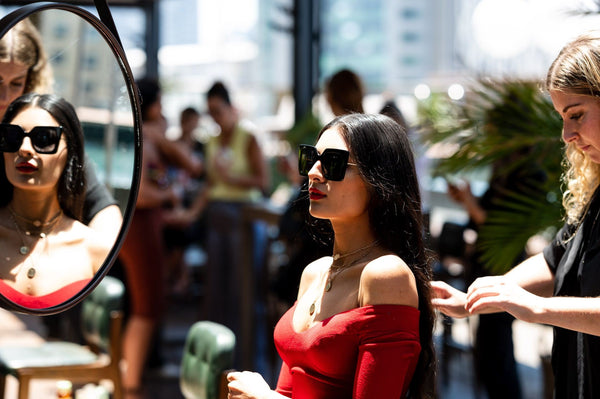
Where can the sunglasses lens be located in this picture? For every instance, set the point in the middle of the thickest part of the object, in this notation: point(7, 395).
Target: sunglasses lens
point(11, 137)
point(307, 157)
point(334, 164)
point(45, 139)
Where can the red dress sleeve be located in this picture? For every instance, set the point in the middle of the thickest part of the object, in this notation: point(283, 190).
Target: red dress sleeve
point(387, 357)
point(284, 383)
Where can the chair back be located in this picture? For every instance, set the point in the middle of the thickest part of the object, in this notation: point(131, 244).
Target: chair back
point(208, 352)
point(96, 311)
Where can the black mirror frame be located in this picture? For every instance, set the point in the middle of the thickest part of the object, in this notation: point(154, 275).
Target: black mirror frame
point(107, 29)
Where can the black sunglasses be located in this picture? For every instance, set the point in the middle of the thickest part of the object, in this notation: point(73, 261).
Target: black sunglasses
point(333, 161)
point(44, 139)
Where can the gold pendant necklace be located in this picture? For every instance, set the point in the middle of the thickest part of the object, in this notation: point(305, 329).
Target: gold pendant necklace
point(24, 248)
point(334, 270)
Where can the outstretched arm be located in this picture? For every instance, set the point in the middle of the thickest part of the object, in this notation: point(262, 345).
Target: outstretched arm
point(532, 276)
point(524, 293)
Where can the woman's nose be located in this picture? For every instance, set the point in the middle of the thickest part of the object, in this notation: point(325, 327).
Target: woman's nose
point(315, 172)
point(26, 147)
point(568, 133)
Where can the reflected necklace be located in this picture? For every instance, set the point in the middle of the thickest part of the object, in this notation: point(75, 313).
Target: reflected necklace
point(36, 226)
point(334, 270)
point(42, 229)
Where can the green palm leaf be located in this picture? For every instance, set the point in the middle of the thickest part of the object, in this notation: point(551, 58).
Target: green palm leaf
point(497, 120)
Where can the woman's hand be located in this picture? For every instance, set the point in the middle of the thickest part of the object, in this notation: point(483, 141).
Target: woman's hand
point(497, 293)
point(449, 300)
point(247, 385)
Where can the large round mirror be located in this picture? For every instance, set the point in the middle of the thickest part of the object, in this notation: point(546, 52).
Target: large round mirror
point(70, 144)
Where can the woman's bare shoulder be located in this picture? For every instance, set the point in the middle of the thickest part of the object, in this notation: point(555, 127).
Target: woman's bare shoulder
point(388, 280)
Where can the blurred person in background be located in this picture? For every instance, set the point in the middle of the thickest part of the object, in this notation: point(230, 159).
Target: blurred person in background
point(237, 175)
point(184, 224)
point(495, 363)
point(344, 92)
point(142, 253)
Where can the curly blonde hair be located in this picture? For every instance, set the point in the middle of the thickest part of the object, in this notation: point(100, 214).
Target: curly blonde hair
point(23, 44)
point(576, 70)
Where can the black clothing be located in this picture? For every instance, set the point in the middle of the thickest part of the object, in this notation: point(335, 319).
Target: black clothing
point(97, 196)
point(574, 259)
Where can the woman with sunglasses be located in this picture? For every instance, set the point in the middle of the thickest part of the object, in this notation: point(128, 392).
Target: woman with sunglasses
point(362, 323)
point(24, 68)
point(48, 254)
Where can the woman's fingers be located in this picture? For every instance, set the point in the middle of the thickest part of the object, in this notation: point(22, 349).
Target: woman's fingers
point(448, 299)
point(502, 295)
point(482, 298)
point(444, 290)
point(483, 282)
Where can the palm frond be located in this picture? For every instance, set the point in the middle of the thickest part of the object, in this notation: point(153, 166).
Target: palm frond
point(499, 121)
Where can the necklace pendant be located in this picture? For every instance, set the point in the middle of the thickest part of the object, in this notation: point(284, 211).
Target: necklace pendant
point(311, 310)
point(24, 250)
point(336, 256)
point(31, 273)
point(328, 285)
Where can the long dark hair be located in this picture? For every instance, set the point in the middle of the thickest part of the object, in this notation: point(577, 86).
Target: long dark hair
point(385, 159)
point(71, 185)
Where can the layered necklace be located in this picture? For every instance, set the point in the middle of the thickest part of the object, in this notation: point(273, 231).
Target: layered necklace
point(335, 269)
point(36, 229)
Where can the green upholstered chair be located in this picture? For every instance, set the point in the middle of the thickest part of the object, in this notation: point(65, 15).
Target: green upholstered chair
point(101, 322)
point(207, 357)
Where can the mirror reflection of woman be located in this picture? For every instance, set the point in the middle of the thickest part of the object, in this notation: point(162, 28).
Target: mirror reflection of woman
point(48, 255)
point(24, 68)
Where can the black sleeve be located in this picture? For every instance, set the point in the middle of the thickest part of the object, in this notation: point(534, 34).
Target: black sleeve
point(97, 196)
point(554, 252)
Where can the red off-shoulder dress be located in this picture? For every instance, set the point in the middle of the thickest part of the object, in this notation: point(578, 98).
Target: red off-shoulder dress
point(43, 301)
point(368, 352)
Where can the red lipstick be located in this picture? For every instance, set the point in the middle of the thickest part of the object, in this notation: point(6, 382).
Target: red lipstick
point(26, 167)
point(315, 194)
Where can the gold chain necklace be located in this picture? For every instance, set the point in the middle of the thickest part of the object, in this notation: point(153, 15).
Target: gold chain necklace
point(339, 256)
point(36, 224)
point(24, 249)
point(335, 270)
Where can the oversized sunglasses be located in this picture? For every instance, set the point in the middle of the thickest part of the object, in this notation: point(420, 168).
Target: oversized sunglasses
point(333, 161)
point(44, 139)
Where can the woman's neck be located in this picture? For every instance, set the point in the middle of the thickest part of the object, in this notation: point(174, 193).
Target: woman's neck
point(349, 237)
point(39, 206)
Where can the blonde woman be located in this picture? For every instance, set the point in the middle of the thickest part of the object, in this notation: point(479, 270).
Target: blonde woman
point(561, 285)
